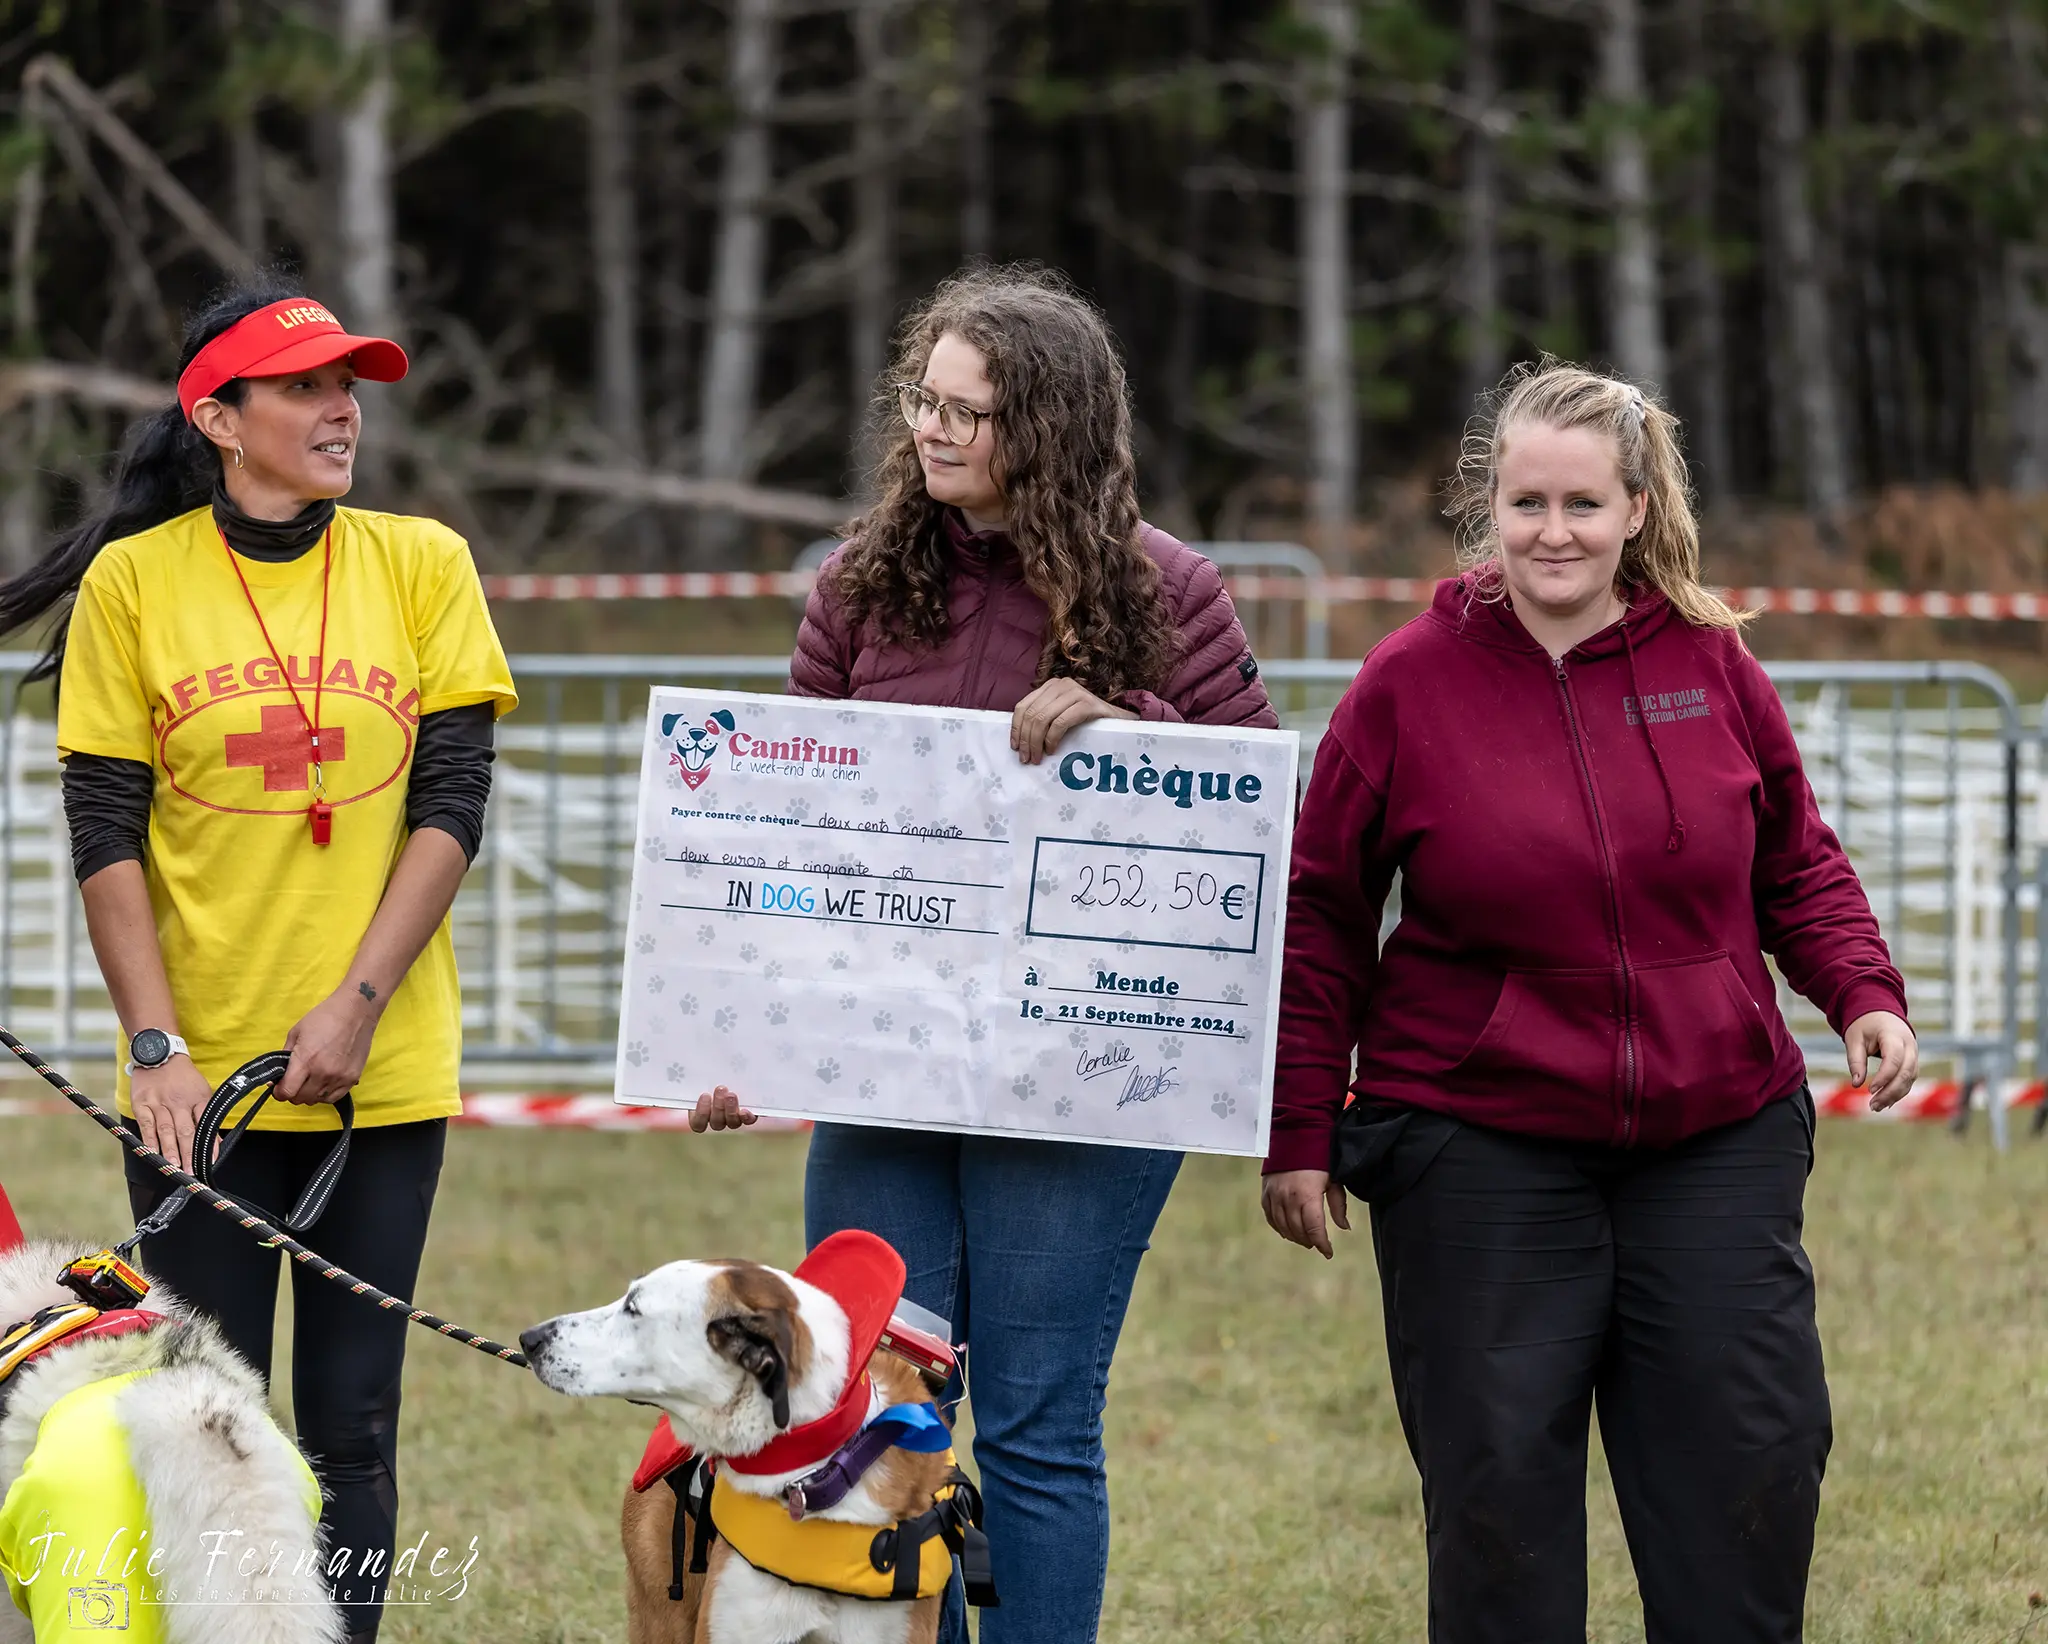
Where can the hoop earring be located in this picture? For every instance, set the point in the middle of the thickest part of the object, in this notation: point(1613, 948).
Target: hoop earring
point(238, 463)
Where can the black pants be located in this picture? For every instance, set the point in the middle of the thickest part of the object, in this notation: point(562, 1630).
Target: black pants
point(1527, 1282)
point(346, 1354)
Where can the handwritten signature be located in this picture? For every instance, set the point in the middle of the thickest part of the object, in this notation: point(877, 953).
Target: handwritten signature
point(1145, 1087)
point(1111, 1059)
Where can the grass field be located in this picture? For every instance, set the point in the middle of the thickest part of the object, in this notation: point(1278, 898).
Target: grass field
point(1261, 1488)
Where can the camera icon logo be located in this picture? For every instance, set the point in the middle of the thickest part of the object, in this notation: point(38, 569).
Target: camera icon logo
point(98, 1607)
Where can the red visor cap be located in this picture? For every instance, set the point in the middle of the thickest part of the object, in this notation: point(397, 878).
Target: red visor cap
point(297, 334)
point(10, 1229)
point(864, 1275)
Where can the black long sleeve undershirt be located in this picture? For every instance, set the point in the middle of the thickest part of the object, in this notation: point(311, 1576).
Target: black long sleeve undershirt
point(106, 800)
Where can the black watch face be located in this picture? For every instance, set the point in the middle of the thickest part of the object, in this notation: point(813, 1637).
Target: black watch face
point(152, 1047)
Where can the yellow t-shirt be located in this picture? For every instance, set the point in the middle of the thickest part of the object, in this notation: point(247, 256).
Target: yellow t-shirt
point(165, 664)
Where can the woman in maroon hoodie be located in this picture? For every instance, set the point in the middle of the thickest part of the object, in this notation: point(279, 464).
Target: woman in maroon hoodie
point(1578, 1118)
point(1004, 566)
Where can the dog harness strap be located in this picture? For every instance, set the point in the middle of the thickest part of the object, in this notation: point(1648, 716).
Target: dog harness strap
point(690, 1551)
point(678, 1535)
point(905, 1426)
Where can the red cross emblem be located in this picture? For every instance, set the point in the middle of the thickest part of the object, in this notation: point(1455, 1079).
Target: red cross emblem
point(284, 751)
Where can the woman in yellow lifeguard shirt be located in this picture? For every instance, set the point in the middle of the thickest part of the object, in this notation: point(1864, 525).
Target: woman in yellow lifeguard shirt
point(275, 717)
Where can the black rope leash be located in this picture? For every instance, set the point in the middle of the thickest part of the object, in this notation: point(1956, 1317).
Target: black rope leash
point(266, 1234)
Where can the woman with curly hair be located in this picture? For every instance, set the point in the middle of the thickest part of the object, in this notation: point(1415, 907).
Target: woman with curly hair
point(1004, 566)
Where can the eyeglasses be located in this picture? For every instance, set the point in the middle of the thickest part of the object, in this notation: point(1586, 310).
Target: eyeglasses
point(960, 423)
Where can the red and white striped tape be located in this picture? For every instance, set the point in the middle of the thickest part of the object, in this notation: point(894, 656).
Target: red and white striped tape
point(1883, 602)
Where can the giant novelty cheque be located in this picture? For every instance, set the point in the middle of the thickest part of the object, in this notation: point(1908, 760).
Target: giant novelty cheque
point(875, 913)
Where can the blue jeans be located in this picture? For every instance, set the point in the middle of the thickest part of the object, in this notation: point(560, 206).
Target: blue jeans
point(1030, 1248)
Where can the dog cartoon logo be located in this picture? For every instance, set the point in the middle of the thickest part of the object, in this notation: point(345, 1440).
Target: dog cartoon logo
point(695, 744)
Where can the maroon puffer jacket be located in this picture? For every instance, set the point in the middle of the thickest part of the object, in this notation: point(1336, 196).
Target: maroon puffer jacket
point(990, 656)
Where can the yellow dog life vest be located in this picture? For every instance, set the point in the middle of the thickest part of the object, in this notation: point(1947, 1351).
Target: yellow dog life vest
point(825, 1553)
point(74, 1527)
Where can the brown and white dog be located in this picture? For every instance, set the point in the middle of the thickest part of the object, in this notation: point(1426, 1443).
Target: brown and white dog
point(746, 1360)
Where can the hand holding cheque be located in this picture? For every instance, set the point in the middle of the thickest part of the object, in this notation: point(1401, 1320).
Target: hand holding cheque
point(872, 913)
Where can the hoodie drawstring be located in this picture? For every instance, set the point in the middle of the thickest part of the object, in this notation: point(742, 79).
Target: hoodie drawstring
point(1675, 840)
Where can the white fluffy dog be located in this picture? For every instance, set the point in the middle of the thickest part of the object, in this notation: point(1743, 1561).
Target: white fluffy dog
point(753, 1363)
point(229, 1552)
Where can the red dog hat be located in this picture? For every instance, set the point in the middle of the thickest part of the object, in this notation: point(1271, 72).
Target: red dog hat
point(10, 1229)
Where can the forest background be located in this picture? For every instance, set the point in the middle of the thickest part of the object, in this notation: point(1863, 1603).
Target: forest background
point(648, 254)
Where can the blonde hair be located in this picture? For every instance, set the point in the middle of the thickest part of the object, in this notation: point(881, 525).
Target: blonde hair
point(1664, 554)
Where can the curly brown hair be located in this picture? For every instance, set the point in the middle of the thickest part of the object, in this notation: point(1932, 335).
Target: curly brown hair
point(1062, 427)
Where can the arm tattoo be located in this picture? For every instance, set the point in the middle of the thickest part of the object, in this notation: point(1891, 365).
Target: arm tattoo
point(366, 990)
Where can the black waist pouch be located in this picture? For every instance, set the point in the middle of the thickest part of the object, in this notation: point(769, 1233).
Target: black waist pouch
point(1383, 1148)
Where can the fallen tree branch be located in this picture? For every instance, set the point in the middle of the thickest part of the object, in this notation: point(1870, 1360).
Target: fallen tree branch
point(54, 75)
point(482, 467)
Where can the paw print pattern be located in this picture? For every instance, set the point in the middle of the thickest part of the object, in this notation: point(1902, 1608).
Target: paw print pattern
point(996, 825)
point(945, 968)
point(785, 1052)
point(692, 871)
point(724, 1018)
point(655, 984)
point(674, 1073)
point(868, 1090)
point(777, 1013)
point(840, 961)
point(1170, 1047)
point(1224, 1105)
point(1233, 994)
point(846, 716)
point(687, 1005)
point(964, 764)
point(1066, 813)
point(1099, 831)
point(1024, 1087)
point(920, 1036)
point(800, 808)
point(1078, 1038)
point(749, 953)
point(905, 816)
point(951, 724)
point(772, 969)
point(870, 796)
point(1262, 825)
point(884, 1021)
point(706, 935)
point(828, 1070)
point(847, 1001)
point(651, 849)
point(636, 1054)
point(1064, 1106)
point(1191, 839)
point(644, 943)
point(977, 1030)
point(995, 787)
point(921, 746)
point(901, 950)
point(970, 990)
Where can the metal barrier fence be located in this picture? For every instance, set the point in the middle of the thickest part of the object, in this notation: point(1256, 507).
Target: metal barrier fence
point(1926, 771)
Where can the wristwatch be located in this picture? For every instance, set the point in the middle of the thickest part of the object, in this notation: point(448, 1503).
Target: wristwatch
point(153, 1047)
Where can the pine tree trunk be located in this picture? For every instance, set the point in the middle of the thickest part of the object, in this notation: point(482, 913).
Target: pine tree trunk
point(364, 213)
point(1322, 148)
point(245, 155)
point(1637, 334)
point(973, 29)
point(1479, 273)
point(1705, 380)
point(1823, 455)
point(614, 235)
point(874, 233)
point(2025, 274)
point(739, 264)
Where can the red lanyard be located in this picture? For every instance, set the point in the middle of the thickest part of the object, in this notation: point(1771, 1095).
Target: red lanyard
point(319, 814)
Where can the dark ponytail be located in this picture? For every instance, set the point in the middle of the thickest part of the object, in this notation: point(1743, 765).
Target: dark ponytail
point(166, 468)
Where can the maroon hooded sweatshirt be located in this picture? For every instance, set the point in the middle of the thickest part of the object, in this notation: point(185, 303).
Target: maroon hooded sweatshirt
point(1595, 856)
point(990, 655)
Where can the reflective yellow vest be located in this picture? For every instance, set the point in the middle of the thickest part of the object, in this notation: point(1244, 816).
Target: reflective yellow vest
point(74, 1527)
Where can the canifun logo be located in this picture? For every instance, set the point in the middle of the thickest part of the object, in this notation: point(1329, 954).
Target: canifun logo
point(695, 744)
point(692, 748)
